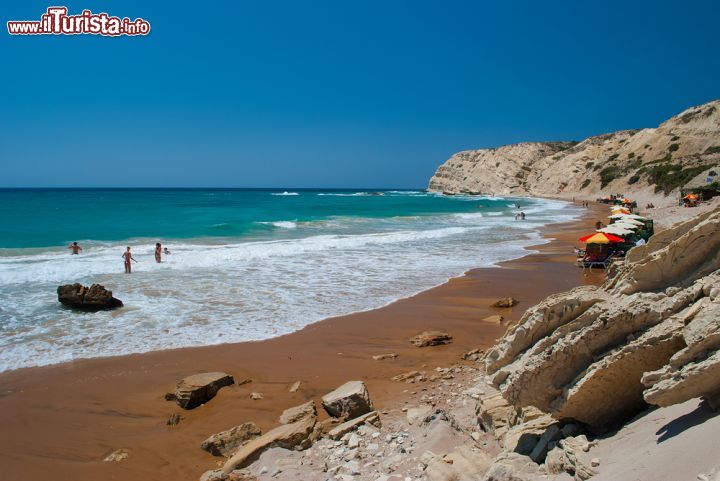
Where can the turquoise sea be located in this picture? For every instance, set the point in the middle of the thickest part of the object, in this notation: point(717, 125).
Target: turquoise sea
point(244, 264)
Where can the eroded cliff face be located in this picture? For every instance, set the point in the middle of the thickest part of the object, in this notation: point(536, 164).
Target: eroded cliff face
point(650, 334)
point(662, 158)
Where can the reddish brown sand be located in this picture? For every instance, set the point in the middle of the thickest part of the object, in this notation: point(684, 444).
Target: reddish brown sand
point(59, 422)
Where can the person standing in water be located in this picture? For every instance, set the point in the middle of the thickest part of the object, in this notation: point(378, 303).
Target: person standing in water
point(158, 253)
point(75, 248)
point(128, 258)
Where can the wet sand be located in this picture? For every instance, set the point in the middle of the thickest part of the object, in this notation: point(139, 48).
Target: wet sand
point(59, 422)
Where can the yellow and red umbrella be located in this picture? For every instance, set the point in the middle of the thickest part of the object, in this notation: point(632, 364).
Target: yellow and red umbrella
point(601, 238)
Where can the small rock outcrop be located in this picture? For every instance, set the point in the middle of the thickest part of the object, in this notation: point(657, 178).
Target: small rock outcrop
point(505, 302)
point(465, 462)
point(92, 299)
point(431, 338)
point(348, 401)
point(198, 389)
point(650, 334)
point(288, 436)
point(297, 413)
point(224, 443)
point(339, 431)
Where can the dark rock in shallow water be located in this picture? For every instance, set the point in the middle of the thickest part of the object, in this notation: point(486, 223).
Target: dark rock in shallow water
point(93, 298)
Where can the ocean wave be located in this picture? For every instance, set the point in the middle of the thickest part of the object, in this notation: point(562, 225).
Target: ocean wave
point(247, 290)
point(284, 193)
point(282, 224)
point(60, 267)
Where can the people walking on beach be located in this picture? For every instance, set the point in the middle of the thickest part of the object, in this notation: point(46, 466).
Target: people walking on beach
point(158, 253)
point(75, 248)
point(127, 255)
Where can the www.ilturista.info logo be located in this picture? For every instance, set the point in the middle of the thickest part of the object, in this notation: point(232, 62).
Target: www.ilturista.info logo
point(57, 22)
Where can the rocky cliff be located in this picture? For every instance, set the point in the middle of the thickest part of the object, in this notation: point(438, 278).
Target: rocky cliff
point(658, 159)
point(649, 335)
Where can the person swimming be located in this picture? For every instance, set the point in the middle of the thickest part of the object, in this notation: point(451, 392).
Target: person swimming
point(128, 257)
point(166, 251)
point(75, 248)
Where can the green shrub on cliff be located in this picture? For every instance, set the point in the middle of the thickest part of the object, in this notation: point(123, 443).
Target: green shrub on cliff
point(668, 177)
point(608, 174)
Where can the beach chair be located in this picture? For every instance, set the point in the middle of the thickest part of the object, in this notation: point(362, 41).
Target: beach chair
point(588, 262)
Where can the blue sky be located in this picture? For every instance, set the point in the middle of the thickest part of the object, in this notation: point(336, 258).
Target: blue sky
point(336, 94)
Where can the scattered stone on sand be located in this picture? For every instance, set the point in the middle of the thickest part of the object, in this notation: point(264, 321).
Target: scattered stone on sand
point(348, 401)
point(431, 338)
point(382, 357)
point(242, 382)
point(255, 396)
point(410, 376)
point(473, 355)
point(297, 413)
point(346, 427)
point(225, 442)
point(512, 467)
point(465, 462)
point(496, 319)
point(565, 458)
point(93, 298)
point(295, 386)
point(198, 389)
point(116, 456)
point(419, 413)
point(173, 420)
point(288, 436)
point(506, 302)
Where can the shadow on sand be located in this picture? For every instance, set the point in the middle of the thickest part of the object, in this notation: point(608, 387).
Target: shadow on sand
point(699, 415)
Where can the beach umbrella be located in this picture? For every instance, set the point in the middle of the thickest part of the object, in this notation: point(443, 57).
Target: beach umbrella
point(615, 230)
point(627, 220)
point(617, 209)
point(601, 238)
point(628, 216)
point(622, 225)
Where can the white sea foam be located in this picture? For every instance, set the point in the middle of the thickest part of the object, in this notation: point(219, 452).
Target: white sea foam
point(206, 293)
point(284, 193)
point(283, 224)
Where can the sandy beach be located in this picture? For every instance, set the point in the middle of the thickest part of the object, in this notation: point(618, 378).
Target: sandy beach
point(64, 419)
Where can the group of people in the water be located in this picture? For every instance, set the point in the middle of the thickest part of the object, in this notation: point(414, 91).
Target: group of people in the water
point(127, 256)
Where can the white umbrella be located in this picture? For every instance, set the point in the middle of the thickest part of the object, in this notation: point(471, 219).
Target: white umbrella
point(622, 225)
point(628, 216)
point(615, 230)
point(628, 221)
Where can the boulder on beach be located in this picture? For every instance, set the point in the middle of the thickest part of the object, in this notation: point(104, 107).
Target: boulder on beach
point(297, 435)
point(297, 413)
point(348, 401)
point(339, 431)
point(431, 338)
point(225, 442)
point(198, 389)
point(506, 302)
point(93, 298)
